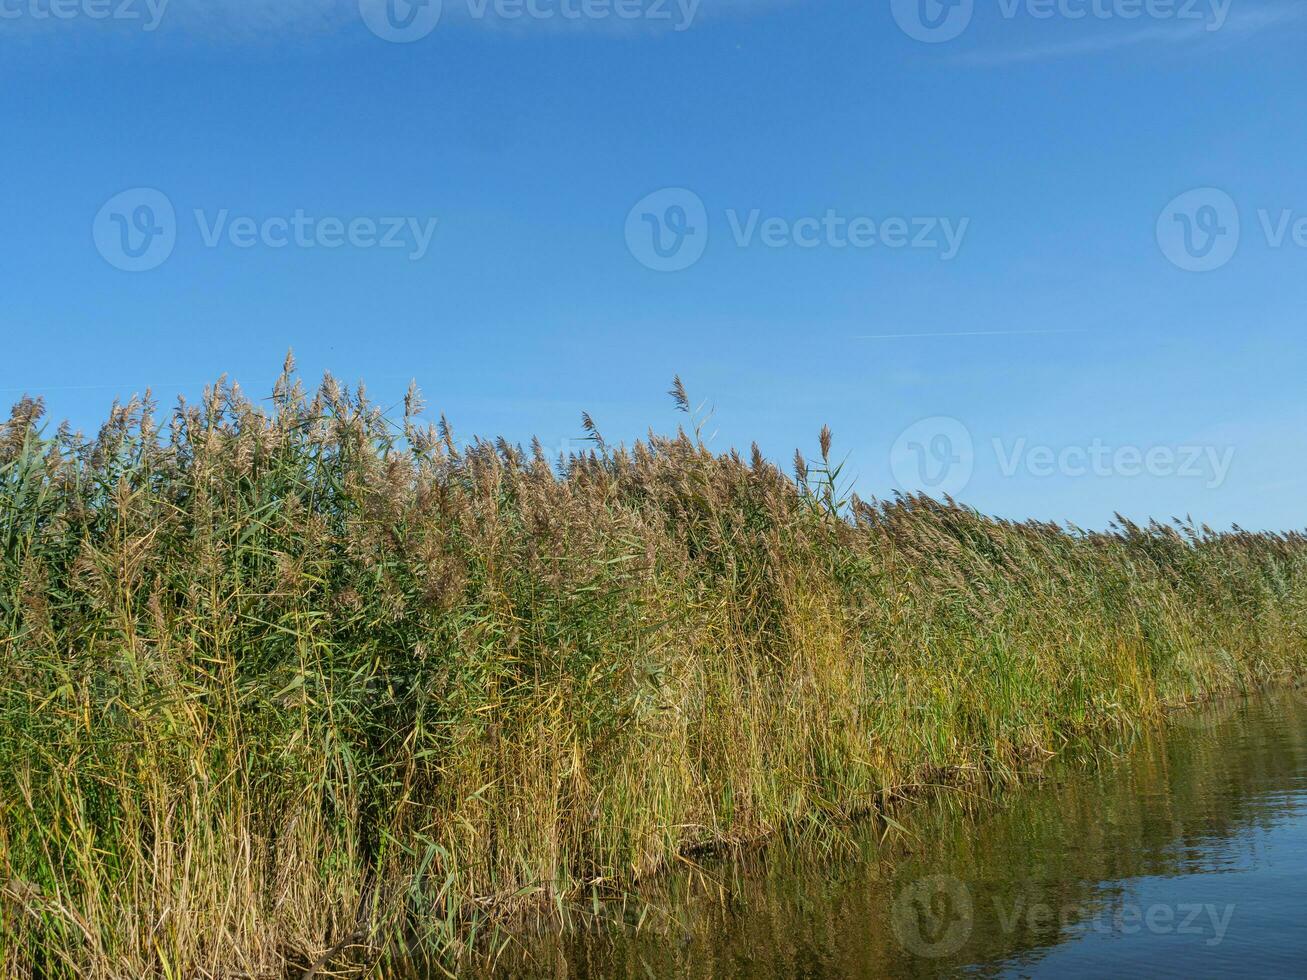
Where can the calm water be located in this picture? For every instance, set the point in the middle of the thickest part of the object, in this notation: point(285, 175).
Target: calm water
point(1185, 855)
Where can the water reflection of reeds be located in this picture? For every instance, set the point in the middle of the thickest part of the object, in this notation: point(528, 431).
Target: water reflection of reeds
point(1042, 864)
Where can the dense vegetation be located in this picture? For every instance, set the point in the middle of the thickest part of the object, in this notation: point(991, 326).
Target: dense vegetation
point(281, 679)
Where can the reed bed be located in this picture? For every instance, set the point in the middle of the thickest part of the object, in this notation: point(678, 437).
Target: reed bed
point(290, 682)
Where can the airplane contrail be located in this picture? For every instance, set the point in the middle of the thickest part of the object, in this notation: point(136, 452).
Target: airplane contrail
point(959, 333)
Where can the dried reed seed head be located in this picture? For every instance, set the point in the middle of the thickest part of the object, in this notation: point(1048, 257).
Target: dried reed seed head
point(679, 396)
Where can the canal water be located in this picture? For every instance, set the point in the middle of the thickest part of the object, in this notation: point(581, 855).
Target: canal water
point(1179, 853)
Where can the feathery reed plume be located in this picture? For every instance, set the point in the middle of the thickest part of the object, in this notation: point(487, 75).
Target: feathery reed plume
point(588, 424)
point(677, 391)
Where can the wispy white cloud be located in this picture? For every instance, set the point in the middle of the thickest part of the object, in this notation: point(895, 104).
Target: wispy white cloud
point(1239, 24)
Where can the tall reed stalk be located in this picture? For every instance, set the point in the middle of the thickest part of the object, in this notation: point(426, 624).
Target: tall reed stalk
point(281, 680)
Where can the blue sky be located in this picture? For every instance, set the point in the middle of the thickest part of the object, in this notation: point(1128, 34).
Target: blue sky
point(1049, 262)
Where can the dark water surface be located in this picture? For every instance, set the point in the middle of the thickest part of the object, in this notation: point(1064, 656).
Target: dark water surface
point(1185, 855)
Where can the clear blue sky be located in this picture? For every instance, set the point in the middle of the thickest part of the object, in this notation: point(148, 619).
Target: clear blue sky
point(1063, 320)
